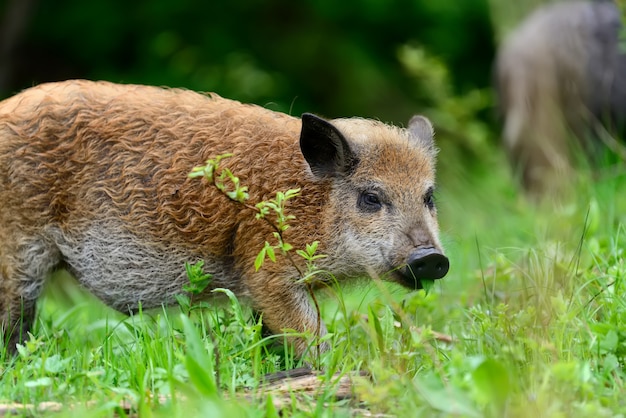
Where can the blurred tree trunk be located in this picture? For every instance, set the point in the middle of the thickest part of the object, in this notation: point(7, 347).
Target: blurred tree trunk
point(15, 18)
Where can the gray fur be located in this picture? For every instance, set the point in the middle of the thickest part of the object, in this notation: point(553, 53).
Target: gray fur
point(560, 75)
point(113, 265)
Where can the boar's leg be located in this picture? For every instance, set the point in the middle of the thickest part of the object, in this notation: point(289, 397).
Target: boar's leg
point(284, 307)
point(24, 265)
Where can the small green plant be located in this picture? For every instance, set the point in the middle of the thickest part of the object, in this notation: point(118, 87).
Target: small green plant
point(229, 184)
point(277, 206)
point(198, 282)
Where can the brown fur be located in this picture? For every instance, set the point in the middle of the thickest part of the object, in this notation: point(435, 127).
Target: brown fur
point(93, 177)
point(558, 80)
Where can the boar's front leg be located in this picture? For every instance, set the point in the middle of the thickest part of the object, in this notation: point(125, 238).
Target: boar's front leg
point(286, 306)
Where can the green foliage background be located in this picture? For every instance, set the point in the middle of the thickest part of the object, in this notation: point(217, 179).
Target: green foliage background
point(337, 58)
point(534, 298)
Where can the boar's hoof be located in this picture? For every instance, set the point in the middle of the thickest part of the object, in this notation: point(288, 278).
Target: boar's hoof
point(425, 264)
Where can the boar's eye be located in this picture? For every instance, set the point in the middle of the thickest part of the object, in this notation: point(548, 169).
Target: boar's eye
point(369, 202)
point(429, 199)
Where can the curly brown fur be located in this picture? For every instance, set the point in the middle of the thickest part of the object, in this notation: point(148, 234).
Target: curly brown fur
point(93, 176)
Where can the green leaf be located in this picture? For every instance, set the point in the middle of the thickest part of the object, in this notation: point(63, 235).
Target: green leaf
point(609, 342)
point(270, 408)
point(183, 301)
point(198, 361)
point(270, 252)
point(263, 210)
point(448, 400)
point(272, 206)
point(55, 364)
point(492, 381)
point(373, 319)
point(427, 285)
point(291, 193)
point(260, 258)
point(610, 363)
point(198, 279)
point(242, 194)
point(41, 382)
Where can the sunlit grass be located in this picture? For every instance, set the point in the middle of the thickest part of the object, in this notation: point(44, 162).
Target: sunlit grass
point(533, 304)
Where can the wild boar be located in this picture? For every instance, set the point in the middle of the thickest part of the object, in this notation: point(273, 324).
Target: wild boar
point(94, 179)
point(561, 89)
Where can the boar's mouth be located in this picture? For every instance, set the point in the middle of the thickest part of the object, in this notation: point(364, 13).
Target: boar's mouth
point(424, 264)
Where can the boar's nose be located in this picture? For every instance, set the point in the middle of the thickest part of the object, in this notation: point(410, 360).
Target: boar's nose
point(426, 263)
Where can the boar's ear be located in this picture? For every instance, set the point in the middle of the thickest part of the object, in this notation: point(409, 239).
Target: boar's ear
point(421, 132)
point(325, 149)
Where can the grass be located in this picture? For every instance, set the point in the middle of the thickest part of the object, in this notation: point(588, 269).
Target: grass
point(533, 302)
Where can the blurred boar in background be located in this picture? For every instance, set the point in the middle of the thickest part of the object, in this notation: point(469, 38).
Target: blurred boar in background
point(558, 78)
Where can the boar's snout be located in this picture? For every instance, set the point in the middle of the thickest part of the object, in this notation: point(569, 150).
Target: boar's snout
point(425, 264)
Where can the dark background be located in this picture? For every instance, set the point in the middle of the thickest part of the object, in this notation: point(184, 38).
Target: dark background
point(334, 58)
